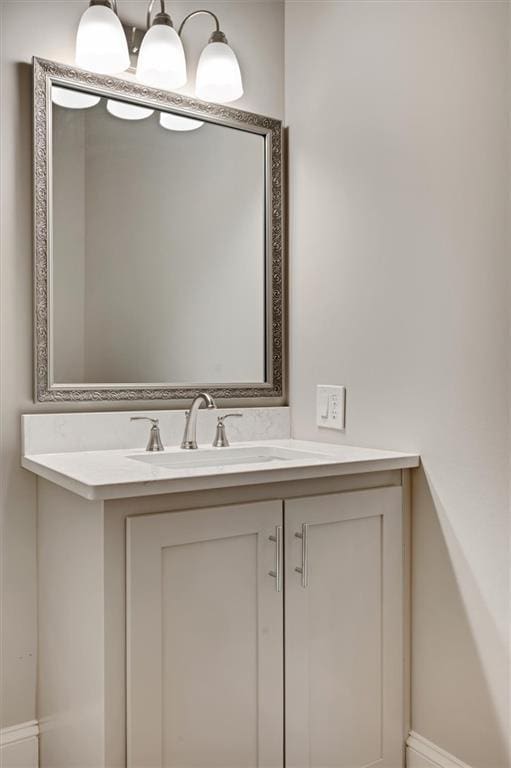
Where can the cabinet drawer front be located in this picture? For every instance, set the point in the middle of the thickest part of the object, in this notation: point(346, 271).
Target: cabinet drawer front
point(344, 630)
point(205, 639)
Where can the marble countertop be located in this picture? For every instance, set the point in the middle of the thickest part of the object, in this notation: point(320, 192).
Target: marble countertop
point(114, 474)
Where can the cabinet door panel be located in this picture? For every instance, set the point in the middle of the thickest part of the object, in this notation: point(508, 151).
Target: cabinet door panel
point(205, 640)
point(344, 631)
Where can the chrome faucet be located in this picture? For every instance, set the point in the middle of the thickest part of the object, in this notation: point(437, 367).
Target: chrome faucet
point(190, 434)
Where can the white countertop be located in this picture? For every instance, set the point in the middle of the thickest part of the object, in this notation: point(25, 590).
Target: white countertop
point(114, 474)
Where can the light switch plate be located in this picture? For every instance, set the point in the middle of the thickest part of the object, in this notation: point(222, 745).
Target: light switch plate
point(330, 406)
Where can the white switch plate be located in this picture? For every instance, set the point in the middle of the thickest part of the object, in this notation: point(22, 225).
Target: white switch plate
point(330, 406)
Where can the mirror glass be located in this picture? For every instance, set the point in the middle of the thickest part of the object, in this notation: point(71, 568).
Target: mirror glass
point(158, 246)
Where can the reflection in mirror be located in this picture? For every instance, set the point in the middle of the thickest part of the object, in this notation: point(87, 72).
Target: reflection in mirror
point(65, 97)
point(126, 111)
point(158, 246)
point(176, 123)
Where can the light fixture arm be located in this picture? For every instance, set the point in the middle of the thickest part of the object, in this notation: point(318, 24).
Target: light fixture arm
point(107, 3)
point(217, 36)
point(161, 18)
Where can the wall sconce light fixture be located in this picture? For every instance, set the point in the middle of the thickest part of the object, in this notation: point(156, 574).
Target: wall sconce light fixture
point(161, 61)
point(218, 72)
point(102, 46)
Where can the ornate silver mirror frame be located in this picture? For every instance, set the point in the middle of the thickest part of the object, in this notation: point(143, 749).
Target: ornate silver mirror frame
point(47, 73)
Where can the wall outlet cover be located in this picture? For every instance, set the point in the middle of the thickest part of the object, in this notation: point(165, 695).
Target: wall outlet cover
point(331, 406)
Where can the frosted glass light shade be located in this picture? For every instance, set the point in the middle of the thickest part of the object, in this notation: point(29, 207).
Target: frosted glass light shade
point(161, 61)
point(65, 97)
point(127, 111)
point(178, 123)
point(218, 74)
point(101, 44)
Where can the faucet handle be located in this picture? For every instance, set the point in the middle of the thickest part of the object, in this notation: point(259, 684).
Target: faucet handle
point(155, 443)
point(221, 440)
point(154, 422)
point(227, 416)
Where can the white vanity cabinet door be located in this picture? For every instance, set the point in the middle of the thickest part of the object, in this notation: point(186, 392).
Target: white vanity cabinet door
point(205, 639)
point(344, 631)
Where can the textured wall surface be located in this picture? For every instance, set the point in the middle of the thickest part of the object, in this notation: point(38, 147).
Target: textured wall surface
point(399, 149)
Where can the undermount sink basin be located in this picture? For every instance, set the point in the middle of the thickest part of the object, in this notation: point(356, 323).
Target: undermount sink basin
point(221, 457)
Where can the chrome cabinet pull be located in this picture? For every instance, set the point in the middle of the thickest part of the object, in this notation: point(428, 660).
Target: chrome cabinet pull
point(277, 573)
point(304, 568)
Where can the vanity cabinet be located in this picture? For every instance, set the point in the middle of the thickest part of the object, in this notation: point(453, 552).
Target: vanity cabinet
point(206, 590)
point(204, 639)
point(344, 630)
point(251, 626)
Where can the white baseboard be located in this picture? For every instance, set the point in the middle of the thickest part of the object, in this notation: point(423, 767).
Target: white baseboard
point(422, 753)
point(19, 746)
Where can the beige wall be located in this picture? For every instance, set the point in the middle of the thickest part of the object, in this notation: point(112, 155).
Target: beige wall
point(47, 29)
point(399, 142)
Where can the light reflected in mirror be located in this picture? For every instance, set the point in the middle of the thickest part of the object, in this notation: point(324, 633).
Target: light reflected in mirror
point(178, 123)
point(65, 97)
point(126, 111)
point(159, 247)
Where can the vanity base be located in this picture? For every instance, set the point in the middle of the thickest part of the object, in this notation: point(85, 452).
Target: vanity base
point(96, 650)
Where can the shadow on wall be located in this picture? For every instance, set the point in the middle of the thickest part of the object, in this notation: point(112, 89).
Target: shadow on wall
point(445, 656)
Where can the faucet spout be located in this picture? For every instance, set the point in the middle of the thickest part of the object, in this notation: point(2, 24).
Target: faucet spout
point(189, 441)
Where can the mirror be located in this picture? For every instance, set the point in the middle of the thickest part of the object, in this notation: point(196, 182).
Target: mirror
point(161, 273)
point(158, 247)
